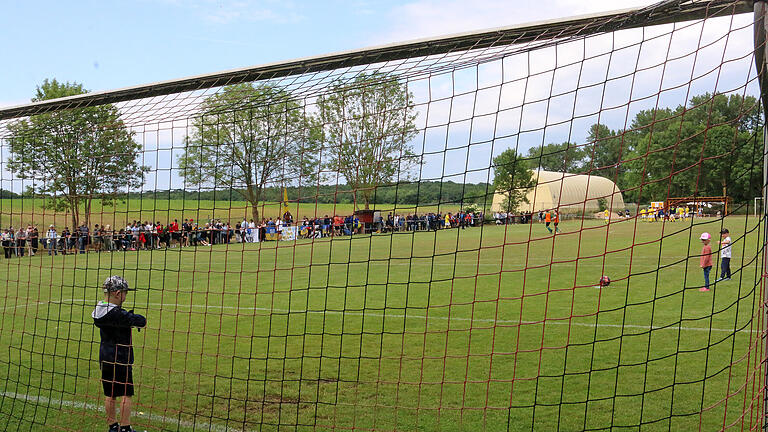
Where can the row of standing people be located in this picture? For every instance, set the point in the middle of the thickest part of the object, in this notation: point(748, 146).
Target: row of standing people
point(155, 235)
point(20, 242)
point(428, 221)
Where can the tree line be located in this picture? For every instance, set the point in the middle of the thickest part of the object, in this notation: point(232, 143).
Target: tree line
point(355, 144)
point(421, 193)
point(712, 146)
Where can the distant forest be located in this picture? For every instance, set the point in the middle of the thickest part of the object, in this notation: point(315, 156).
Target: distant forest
point(422, 193)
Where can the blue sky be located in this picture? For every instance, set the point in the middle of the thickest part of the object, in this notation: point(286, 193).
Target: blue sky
point(113, 44)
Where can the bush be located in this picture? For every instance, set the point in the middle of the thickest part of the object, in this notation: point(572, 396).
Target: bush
point(472, 208)
point(602, 204)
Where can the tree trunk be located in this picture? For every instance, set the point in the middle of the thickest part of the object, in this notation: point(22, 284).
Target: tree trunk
point(255, 211)
point(367, 197)
point(88, 202)
point(725, 199)
point(253, 200)
point(73, 206)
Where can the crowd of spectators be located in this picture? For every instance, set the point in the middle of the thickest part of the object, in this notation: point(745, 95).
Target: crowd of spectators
point(504, 218)
point(155, 235)
point(427, 222)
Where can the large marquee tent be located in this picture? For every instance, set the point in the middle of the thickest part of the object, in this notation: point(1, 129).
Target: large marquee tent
point(568, 193)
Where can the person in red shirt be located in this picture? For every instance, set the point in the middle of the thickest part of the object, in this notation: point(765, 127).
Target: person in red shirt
point(548, 220)
point(705, 260)
point(162, 235)
point(173, 231)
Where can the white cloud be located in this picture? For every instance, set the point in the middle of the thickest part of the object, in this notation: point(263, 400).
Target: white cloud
point(428, 18)
point(593, 80)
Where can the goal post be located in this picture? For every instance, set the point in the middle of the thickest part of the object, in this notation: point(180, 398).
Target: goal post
point(761, 49)
point(415, 236)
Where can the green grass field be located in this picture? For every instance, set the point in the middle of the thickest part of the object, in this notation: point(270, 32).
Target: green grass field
point(492, 328)
point(16, 212)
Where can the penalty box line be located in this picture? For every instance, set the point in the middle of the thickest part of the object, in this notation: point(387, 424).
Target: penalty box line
point(420, 317)
point(87, 406)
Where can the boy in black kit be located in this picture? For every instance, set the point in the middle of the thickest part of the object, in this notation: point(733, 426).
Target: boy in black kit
point(116, 350)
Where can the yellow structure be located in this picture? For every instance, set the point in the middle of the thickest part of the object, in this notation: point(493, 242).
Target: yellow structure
point(569, 193)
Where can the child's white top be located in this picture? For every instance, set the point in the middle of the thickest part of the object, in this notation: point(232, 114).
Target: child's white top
point(725, 251)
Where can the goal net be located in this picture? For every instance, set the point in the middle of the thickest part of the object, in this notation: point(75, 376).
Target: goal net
point(480, 231)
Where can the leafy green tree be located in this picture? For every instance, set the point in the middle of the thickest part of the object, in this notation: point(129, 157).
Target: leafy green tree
point(513, 178)
point(711, 147)
point(368, 125)
point(648, 131)
point(249, 137)
point(731, 163)
point(605, 152)
point(565, 157)
point(76, 155)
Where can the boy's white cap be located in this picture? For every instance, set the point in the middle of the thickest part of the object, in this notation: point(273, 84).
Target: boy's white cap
point(705, 236)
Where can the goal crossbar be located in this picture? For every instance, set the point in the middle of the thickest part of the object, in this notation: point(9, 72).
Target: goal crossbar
point(665, 13)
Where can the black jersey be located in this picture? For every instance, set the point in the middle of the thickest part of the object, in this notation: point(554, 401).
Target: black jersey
point(115, 324)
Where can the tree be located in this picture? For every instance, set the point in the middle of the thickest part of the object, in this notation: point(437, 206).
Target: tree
point(605, 152)
point(248, 137)
point(367, 126)
point(653, 135)
point(731, 161)
point(8, 194)
point(76, 155)
point(566, 157)
point(512, 178)
point(711, 147)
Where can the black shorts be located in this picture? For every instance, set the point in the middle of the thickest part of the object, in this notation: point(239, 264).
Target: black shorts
point(547, 223)
point(117, 379)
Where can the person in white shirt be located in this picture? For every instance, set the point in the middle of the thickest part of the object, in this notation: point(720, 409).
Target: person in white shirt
point(135, 234)
point(151, 234)
point(725, 255)
point(7, 240)
point(21, 242)
point(254, 233)
point(53, 240)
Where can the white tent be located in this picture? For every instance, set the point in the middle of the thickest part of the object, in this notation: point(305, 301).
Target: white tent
point(569, 193)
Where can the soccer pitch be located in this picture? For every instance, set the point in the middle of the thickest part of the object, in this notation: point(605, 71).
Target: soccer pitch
point(492, 328)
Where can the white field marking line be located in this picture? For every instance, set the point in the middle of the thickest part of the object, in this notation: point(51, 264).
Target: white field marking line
point(23, 305)
point(432, 317)
point(93, 407)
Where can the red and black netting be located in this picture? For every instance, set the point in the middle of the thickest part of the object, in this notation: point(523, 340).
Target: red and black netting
point(498, 233)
